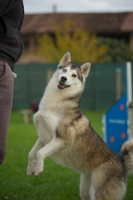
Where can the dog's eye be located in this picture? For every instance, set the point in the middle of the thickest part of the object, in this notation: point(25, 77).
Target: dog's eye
point(64, 70)
point(74, 75)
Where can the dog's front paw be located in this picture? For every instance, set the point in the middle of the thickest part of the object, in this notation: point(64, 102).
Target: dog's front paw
point(38, 171)
point(39, 165)
point(31, 167)
point(30, 171)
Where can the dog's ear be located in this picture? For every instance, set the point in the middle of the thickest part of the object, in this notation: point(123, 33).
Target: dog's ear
point(66, 58)
point(85, 69)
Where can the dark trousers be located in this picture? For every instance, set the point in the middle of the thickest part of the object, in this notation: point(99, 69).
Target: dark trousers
point(6, 96)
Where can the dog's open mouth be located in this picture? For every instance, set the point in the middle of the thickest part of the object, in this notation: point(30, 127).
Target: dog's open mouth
point(62, 85)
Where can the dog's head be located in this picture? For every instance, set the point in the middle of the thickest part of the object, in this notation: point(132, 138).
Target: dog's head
point(70, 75)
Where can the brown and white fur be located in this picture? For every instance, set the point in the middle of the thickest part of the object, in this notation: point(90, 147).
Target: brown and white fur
point(67, 136)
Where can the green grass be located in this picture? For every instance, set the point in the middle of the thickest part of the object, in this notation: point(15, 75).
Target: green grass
point(56, 182)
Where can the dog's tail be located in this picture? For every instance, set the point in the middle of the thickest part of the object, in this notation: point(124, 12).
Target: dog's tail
point(127, 154)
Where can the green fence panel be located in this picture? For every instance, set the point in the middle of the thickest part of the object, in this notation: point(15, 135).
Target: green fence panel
point(100, 90)
point(99, 93)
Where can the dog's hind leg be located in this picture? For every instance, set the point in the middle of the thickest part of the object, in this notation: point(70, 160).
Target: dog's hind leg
point(113, 189)
point(84, 186)
point(104, 193)
point(32, 157)
point(52, 147)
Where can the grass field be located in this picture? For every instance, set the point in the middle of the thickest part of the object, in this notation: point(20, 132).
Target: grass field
point(56, 182)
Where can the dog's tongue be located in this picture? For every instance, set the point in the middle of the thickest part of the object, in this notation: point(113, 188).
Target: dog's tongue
point(61, 85)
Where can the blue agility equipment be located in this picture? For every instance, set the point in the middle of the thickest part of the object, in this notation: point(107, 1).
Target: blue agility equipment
point(116, 122)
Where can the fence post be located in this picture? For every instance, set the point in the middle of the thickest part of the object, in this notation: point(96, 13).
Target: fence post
point(129, 98)
point(118, 83)
point(49, 74)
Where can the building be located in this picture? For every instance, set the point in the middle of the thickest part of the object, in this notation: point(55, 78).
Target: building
point(116, 25)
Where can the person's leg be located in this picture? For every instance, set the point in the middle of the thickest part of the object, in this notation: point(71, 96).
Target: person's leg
point(6, 95)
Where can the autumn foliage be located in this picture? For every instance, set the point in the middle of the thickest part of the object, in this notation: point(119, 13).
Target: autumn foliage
point(83, 45)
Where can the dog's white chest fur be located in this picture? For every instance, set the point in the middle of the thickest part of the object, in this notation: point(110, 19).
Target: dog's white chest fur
point(47, 118)
point(47, 123)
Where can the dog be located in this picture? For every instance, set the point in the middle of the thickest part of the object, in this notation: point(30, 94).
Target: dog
point(67, 136)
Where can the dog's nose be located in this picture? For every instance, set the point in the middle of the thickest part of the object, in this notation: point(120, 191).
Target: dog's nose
point(63, 79)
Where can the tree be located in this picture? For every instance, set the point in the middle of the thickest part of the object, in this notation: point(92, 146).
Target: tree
point(83, 46)
point(118, 50)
